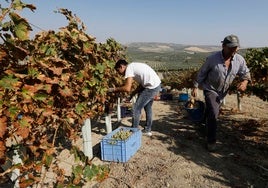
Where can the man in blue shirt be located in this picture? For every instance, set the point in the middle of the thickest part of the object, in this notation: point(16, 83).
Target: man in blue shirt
point(215, 77)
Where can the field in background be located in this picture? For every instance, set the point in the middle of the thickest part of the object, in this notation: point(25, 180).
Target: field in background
point(168, 56)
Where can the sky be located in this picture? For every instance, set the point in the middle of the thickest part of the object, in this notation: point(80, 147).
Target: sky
point(191, 22)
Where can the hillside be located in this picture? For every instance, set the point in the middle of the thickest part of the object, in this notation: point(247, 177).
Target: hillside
point(170, 56)
point(171, 47)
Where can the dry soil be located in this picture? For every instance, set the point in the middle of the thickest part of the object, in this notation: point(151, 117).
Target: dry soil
point(175, 156)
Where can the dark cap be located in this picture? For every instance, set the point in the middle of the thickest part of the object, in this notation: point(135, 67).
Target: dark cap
point(231, 41)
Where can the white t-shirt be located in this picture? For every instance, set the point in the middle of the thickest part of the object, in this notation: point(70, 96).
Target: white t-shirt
point(143, 74)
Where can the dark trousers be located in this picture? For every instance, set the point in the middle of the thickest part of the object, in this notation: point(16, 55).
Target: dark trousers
point(211, 114)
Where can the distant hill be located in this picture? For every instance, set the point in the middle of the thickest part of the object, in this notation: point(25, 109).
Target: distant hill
point(169, 47)
point(169, 56)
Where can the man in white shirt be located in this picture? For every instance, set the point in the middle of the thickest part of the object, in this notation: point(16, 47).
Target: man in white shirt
point(149, 85)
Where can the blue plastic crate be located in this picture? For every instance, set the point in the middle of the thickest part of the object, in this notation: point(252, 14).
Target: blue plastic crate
point(183, 97)
point(120, 150)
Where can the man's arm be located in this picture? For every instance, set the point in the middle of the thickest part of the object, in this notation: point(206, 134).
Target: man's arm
point(201, 76)
point(126, 87)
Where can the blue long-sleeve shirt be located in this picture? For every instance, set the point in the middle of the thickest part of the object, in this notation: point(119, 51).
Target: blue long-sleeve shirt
point(214, 75)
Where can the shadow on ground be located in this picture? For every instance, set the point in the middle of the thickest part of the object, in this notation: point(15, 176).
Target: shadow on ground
point(242, 154)
point(241, 159)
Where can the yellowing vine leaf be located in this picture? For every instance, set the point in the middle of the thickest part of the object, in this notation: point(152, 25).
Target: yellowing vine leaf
point(18, 5)
point(3, 54)
point(3, 126)
point(50, 151)
point(2, 150)
point(47, 112)
point(65, 77)
point(21, 26)
point(87, 47)
point(80, 107)
point(40, 96)
point(56, 70)
point(22, 31)
point(66, 92)
point(23, 132)
point(85, 92)
point(47, 160)
point(12, 111)
point(8, 82)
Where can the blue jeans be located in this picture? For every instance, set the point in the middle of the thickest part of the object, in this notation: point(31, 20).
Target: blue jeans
point(144, 101)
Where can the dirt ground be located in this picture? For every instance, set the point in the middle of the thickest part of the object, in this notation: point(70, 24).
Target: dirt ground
point(175, 156)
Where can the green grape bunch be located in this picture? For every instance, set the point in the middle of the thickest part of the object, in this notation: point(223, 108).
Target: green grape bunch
point(122, 134)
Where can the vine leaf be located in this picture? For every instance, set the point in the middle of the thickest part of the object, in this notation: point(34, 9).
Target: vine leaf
point(3, 126)
point(8, 82)
point(23, 131)
point(77, 172)
point(21, 26)
point(90, 171)
point(2, 150)
point(18, 5)
point(47, 159)
point(66, 92)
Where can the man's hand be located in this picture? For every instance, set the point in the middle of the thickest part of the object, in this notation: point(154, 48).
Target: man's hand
point(194, 92)
point(242, 86)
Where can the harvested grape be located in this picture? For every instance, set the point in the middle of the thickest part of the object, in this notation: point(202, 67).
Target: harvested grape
point(122, 134)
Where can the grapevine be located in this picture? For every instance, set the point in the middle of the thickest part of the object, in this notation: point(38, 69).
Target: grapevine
point(180, 79)
point(257, 62)
point(49, 85)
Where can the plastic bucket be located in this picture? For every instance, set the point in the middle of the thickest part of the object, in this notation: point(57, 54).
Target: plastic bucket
point(183, 97)
point(166, 97)
point(196, 114)
point(125, 111)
